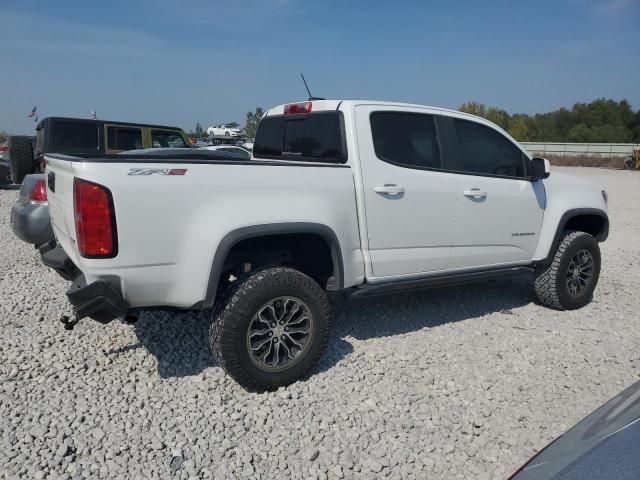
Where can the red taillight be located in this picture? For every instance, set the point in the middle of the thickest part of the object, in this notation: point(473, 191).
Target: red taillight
point(297, 108)
point(39, 192)
point(95, 220)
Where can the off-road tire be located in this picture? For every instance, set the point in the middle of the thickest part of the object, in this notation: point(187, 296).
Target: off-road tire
point(235, 310)
point(21, 162)
point(551, 280)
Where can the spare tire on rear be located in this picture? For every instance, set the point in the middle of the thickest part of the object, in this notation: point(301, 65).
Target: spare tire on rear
point(21, 161)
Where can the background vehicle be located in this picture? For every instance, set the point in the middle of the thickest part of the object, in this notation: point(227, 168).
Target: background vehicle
point(5, 175)
point(17, 158)
point(30, 220)
point(360, 197)
point(223, 130)
point(239, 151)
point(602, 446)
point(4, 146)
point(79, 135)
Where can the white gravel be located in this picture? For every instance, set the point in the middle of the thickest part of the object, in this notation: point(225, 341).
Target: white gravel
point(463, 382)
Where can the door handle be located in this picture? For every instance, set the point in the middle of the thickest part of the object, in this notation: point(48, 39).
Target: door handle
point(475, 193)
point(389, 189)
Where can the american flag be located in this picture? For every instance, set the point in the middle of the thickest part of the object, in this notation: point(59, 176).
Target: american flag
point(34, 113)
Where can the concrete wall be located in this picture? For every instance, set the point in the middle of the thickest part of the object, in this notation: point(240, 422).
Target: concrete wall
point(581, 149)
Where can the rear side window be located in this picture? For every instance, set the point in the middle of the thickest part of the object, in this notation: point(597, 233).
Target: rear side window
point(315, 137)
point(483, 150)
point(124, 138)
point(167, 139)
point(69, 136)
point(406, 139)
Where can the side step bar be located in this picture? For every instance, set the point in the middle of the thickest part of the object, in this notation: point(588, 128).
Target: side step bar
point(370, 290)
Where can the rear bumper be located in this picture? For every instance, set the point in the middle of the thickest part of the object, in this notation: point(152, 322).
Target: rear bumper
point(96, 300)
point(31, 223)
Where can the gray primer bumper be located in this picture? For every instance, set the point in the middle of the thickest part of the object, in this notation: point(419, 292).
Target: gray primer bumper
point(31, 223)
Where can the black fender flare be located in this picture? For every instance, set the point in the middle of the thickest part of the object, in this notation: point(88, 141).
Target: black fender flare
point(253, 231)
point(568, 215)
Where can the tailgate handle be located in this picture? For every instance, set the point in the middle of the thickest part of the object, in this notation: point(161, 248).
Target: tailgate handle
point(51, 181)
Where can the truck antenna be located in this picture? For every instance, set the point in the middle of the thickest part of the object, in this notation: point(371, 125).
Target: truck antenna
point(311, 97)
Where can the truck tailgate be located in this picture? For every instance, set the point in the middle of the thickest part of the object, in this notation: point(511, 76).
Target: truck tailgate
point(60, 175)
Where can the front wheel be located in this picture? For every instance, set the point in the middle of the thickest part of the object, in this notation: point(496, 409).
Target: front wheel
point(568, 282)
point(271, 329)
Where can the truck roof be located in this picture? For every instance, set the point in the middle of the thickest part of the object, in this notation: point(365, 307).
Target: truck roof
point(326, 105)
point(102, 122)
point(329, 105)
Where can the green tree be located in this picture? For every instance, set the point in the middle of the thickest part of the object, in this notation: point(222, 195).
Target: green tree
point(251, 125)
point(493, 114)
point(581, 133)
point(497, 116)
point(602, 120)
point(519, 128)
point(474, 108)
point(199, 132)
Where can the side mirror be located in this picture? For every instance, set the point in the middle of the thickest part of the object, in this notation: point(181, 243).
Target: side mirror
point(540, 168)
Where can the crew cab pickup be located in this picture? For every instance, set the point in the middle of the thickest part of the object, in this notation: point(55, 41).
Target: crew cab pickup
point(359, 197)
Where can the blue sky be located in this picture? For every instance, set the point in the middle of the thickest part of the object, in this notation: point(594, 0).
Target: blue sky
point(210, 62)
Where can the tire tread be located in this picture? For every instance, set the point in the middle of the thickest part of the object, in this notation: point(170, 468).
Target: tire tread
point(233, 305)
point(547, 279)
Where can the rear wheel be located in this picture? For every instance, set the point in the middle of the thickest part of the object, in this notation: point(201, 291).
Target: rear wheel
point(21, 162)
point(271, 328)
point(568, 282)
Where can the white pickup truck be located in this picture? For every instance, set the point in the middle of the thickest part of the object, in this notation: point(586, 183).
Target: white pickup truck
point(362, 197)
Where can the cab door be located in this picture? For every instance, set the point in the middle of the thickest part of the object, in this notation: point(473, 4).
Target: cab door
point(409, 202)
point(499, 209)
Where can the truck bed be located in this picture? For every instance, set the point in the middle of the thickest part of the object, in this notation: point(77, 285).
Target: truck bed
point(173, 211)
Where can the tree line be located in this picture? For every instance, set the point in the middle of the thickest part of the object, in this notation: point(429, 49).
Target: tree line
point(601, 121)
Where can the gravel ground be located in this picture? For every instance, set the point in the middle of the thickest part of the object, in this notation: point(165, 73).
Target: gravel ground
point(463, 382)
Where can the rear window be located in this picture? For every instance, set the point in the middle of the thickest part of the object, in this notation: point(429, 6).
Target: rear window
point(70, 137)
point(124, 138)
point(167, 139)
point(316, 137)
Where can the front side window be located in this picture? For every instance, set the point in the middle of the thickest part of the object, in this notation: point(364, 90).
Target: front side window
point(406, 139)
point(124, 138)
point(483, 150)
point(167, 139)
point(313, 137)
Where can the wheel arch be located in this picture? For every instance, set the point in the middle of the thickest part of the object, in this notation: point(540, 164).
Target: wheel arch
point(590, 220)
point(235, 237)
